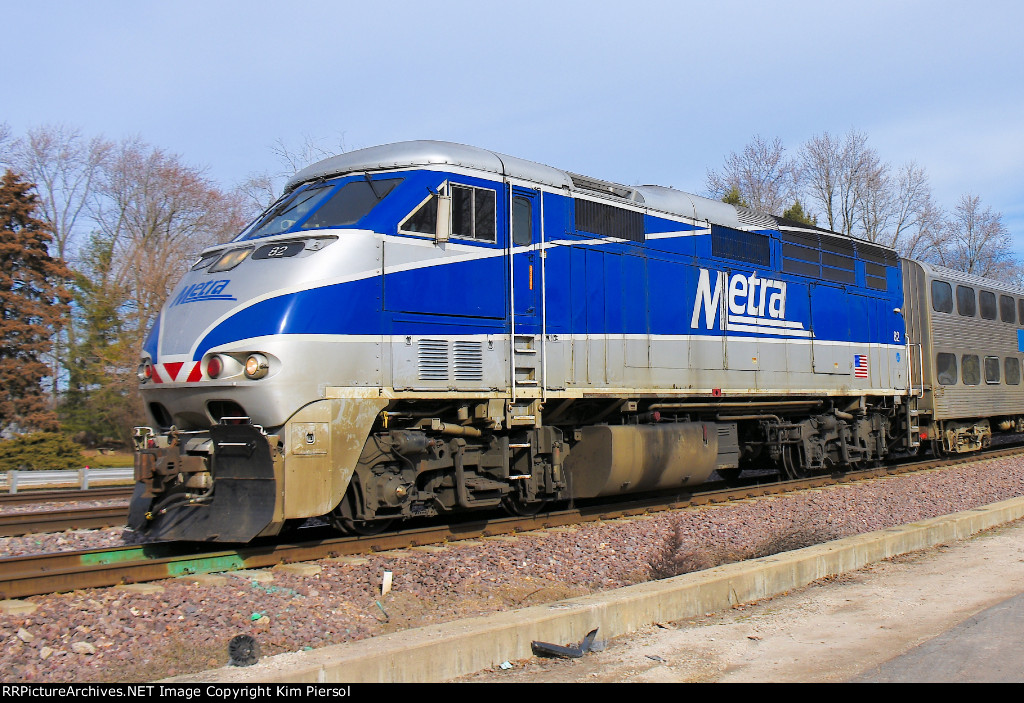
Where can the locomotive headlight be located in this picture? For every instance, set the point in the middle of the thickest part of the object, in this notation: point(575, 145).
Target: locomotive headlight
point(256, 366)
point(214, 366)
point(145, 372)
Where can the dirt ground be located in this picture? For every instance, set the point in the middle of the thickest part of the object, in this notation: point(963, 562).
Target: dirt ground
point(831, 631)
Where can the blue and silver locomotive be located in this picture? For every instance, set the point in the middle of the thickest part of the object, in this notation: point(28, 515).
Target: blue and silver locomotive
point(425, 327)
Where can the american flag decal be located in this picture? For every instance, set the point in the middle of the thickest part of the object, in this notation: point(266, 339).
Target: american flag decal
point(860, 366)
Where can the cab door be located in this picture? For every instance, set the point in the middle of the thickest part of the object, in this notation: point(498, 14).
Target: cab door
point(526, 294)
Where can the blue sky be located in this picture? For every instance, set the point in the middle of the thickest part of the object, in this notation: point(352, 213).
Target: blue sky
point(638, 92)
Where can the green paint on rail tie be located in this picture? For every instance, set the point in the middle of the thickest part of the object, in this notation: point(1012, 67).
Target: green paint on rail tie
point(206, 566)
point(115, 556)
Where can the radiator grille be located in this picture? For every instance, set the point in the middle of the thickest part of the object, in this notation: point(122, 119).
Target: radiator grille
point(432, 359)
point(469, 361)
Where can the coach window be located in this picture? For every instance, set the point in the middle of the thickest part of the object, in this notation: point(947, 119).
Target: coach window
point(987, 300)
point(965, 301)
point(942, 296)
point(971, 368)
point(1006, 310)
point(991, 369)
point(1012, 371)
point(945, 365)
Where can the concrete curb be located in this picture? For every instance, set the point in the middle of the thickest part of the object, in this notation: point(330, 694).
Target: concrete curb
point(441, 652)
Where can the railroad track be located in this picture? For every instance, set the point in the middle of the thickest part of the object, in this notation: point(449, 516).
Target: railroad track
point(65, 496)
point(16, 524)
point(49, 573)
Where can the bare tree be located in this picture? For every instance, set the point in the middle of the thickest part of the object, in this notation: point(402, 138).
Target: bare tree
point(762, 175)
point(875, 205)
point(916, 219)
point(260, 190)
point(847, 180)
point(5, 144)
point(65, 167)
point(976, 241)
point(820, 160)
point(157, 212)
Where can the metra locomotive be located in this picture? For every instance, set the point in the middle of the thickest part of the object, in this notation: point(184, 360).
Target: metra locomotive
point(425, 327)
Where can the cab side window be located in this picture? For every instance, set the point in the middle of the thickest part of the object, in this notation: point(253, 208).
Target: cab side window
point(473, 213)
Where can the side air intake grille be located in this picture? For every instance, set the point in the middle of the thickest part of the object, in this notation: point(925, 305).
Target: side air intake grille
point(432, 360)
point(469, 361)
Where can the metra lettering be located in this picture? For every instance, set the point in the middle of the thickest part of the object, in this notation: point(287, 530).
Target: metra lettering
point(208, 290)
point(747, 296)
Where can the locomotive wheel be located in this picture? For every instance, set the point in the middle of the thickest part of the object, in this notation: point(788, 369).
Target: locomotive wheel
point(342, 517)
point(517, 508)
point(362, 528)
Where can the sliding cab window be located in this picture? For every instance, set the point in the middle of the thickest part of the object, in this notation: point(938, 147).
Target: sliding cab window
point(351, 203)
point(473, 213)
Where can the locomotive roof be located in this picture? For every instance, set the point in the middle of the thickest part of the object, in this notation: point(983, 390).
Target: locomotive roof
point(438, 153)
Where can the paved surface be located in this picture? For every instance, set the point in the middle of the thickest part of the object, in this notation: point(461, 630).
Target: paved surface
point(987, 647)
point(953, 613)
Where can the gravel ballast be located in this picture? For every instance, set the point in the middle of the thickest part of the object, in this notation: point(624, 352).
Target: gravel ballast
point(117, 635)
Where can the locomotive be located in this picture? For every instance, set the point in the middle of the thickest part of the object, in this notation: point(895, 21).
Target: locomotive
point(423, 328)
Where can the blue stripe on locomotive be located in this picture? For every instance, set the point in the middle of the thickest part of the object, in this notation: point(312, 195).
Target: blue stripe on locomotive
point(610, 287)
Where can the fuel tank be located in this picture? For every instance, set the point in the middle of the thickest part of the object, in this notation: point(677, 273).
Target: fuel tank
point(613, 459)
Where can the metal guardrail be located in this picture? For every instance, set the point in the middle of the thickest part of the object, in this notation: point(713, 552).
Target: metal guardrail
point(14, 481)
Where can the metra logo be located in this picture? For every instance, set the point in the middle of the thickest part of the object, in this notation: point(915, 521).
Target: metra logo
point(208, 290)
point(753, 305)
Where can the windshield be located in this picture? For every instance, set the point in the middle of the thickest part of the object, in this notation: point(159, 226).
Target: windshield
point(287, 212)
point(314, 210)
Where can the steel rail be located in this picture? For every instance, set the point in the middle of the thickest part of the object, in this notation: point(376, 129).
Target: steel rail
point(17, 524)
point(65, 496)
point(49, 573)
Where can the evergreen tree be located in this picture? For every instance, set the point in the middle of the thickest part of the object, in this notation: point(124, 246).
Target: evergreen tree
point(797, 214)
point(733, 197)
point(98, 405)
point(33, 306)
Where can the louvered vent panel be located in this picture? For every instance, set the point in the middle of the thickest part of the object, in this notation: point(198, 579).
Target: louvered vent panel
point(432, 359)
point(469, 361)
point(750, 218)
